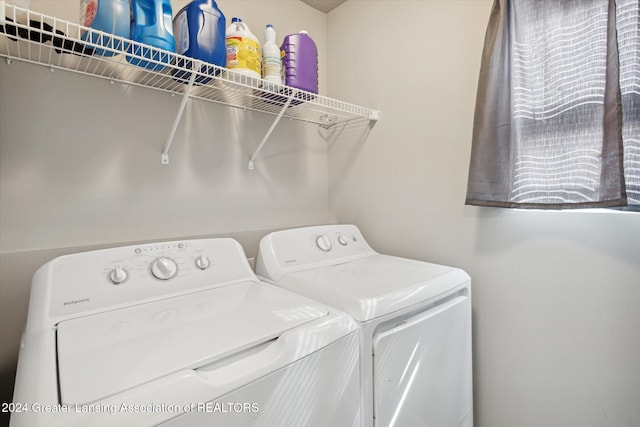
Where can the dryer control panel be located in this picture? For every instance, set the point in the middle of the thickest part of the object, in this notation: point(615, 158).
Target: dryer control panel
point(307, 247)
point(128, 275)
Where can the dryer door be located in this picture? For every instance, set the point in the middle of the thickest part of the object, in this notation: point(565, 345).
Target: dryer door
point(422, 369)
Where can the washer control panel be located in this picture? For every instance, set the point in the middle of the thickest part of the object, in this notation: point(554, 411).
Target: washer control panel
point(92, 280)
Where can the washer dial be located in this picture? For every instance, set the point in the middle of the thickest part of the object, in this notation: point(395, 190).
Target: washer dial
point(342, 239)
point(118, 275)
point(164, 268)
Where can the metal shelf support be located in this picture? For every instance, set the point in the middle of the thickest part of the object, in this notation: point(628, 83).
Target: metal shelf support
point(273, 126)
point(176, 122)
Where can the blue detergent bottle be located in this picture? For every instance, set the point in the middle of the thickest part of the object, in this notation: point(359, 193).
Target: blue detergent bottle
point(199, 30)
point(110, 16)
point(151, 24)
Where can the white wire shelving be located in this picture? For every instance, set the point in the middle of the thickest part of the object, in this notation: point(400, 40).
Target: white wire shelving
point(29, 36)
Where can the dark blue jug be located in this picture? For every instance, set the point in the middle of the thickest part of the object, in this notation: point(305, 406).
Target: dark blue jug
point(199, 30)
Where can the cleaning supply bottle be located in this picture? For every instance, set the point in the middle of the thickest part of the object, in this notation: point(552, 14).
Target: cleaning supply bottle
point(271, 62)
point(151, 24)
point(200, 32)
point(110, 16)
point(300, 62)
point(243, 49)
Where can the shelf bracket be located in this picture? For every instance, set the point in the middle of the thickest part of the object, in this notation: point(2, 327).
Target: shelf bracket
point(273, 126)
point(185, 97)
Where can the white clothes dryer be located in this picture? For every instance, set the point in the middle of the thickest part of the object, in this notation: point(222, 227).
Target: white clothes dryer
point(180, 334)
point(414, 317)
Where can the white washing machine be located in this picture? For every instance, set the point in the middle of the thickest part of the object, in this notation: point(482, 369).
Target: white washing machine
point(180, 334)
point(414, 317)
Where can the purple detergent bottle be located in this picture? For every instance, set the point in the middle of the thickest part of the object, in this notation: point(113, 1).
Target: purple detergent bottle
point(300, 62)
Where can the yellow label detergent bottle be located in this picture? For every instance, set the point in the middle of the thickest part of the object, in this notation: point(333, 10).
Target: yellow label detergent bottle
point(243, 49)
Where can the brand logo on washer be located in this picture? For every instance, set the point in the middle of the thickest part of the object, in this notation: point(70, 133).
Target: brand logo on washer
point(76, 301)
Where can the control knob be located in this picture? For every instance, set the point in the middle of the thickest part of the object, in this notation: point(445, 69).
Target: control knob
point(343, 240)
point(118, 275)
point(164, 268)
point(203, 262)
point(323, 243)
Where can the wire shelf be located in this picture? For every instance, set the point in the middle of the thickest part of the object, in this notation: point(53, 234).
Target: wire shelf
point(29, 36)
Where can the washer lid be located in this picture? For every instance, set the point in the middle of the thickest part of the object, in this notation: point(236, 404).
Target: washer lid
point(106, 353)
point(375, 286)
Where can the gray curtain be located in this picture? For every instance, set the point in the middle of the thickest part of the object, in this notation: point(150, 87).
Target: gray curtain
point(557, 122)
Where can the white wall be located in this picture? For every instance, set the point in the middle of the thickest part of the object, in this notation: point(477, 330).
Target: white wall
point(557, 334)
point(80, 159)
point(555, 294)
point(80, 165)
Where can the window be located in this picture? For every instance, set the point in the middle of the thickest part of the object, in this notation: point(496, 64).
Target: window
point(557, 121)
